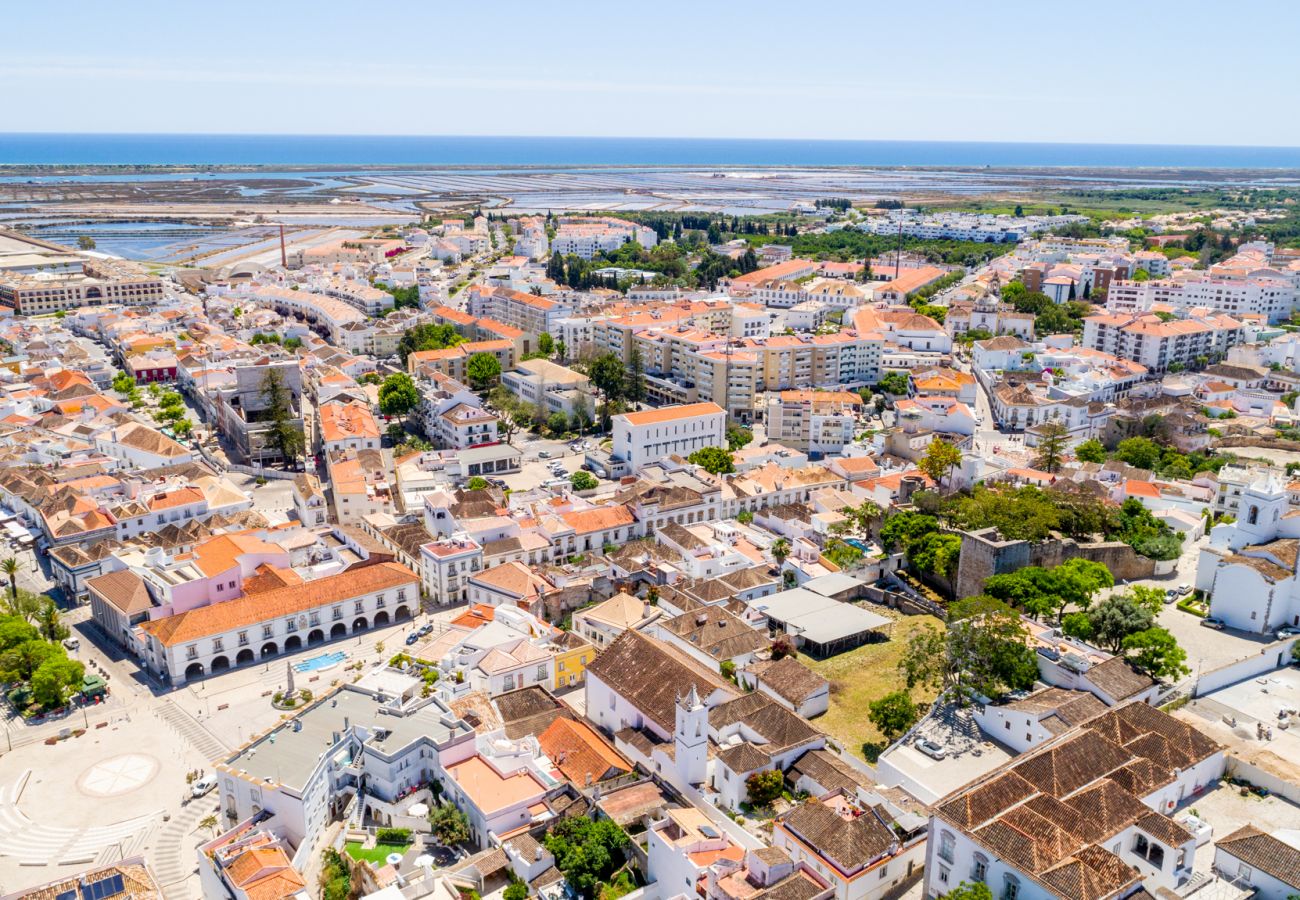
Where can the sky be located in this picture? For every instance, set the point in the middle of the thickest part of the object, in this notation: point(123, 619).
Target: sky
point(1093, 72)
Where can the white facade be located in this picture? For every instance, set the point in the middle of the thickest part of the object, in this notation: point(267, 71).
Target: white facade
point(647, 437)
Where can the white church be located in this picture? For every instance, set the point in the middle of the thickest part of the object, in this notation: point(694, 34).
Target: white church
point(1248, 570)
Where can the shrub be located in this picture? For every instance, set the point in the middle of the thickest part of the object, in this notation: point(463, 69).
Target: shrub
point(306, 695)
point(393, 836)
point(764, 787)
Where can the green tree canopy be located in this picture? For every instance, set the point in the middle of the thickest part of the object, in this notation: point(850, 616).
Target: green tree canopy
point(1091, 451)
point(427, 337)
point(893, 714)
point(482, 370)
point(714, 460)
point(398, 395)
point(1140, 452)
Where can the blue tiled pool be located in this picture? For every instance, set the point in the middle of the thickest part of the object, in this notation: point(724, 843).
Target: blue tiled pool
point(324, 661)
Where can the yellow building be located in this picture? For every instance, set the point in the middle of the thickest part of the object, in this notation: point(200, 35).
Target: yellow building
point(571, 655)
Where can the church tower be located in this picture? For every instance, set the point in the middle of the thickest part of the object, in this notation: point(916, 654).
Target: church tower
point(691, 738)
point(1262, 504)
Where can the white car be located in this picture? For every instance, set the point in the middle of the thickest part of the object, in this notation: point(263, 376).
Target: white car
point(203, 786)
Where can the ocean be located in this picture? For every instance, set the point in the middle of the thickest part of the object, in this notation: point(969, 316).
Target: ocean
point(343, 150)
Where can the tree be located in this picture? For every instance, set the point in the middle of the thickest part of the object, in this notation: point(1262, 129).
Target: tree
point(209, 823)
point(1053, 438)
point(1091, 451)
point(292, 343)
point(940, 459)
point(477, 483)
point(449, 825)
point(745, 516)
point(11, 567)
point(1140, 452)
point(47, 620)
point(515, 890)
point(1156, 653)
point(782, 647)
point(893, 714)
point(586, 851)
point(583, 481)
point(1112, 620)
point(283, 435)
point(607, 376)
point(970, 890)
point(894, 383)
point(557, 422)
point(902, 529)
point(86, 242)
point(780, 550)
point(482, 370)
point(936, 553)
point(545, 343)
point(764, 787)
point(1041, 592)
point(427, 337)
point(714, 460)
point(56, 679)
point(985, 652)
point(634, 381)
point(398, 395)
point(738, 436)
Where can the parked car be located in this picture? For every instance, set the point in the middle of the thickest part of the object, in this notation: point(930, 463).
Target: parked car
point(543, 454)
point(426, 628)
point(412, 638)
point(1288, 631)
point(71, 643)
point(931, 749)
point(1213, 622)
point(1171, 595)
point(1183, 589)
point(203, 786)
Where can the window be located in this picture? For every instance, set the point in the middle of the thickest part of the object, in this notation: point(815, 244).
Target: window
point(191, 652)
point(1010, 887)
point(336, 612)
point(290, 624)
point(243, 638)
point(561, 665)
point(943, 874)
point(217, 645)
point(884, 872)
point(980, 869)
point(947, 846)
point(1244, 872)
point(266, 631)
point(359, 607)
point(541, 672)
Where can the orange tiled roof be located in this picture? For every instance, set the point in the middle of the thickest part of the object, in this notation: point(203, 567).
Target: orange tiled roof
point(219, 618)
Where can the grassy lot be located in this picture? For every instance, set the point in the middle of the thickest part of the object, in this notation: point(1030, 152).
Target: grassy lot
point(860, 676)
point(375, 854)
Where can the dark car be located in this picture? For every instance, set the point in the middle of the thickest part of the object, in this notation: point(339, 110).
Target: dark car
point(412, 638)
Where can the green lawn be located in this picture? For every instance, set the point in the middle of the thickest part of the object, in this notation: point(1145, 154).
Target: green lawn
point(862, 675)
point(376, 854)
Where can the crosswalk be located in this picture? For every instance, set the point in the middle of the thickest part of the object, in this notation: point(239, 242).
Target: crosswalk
point(203, 740)
point(36, 844)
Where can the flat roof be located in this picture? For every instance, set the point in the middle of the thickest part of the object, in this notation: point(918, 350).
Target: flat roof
point(492, 791)
point(287, 756)
point(495, 451)
point(817, 618)
point(833, 583)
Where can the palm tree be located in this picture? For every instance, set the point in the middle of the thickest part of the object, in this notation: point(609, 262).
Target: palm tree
point(780, 550)
point(209, 822)
point(11, 567)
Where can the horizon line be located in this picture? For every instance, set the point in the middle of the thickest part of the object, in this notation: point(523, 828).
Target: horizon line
point(582, 137)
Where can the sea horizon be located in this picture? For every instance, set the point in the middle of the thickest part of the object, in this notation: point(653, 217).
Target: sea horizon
point(162, 149)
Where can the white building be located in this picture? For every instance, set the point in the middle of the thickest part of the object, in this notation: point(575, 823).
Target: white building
point(642, 438)
point(1033, 828)
point(305, 768)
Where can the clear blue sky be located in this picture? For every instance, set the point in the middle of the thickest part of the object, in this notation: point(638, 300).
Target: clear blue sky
point(1105, 72)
